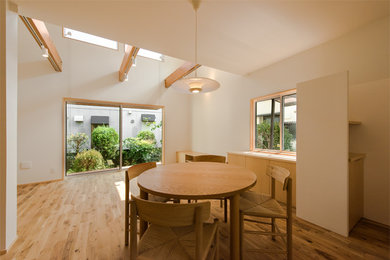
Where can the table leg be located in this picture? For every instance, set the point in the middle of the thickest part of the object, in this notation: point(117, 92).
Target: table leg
point(143, 225)
point(235, 227)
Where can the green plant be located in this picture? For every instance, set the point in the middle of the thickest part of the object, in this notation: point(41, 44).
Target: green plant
point(77, 141)
point(147, 135)
point(264, 136)
point(88, 161)
point(105, 140)
point(137, 150)
point(69, 160)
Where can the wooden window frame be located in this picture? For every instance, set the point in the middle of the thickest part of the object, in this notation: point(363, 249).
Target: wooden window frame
point(120, 105)
point(253, 122)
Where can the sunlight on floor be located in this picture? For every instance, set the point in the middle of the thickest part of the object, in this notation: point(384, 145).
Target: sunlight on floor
point(121, 188)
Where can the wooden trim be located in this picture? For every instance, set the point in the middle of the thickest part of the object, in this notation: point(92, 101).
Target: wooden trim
point(375, 223)
point(253, 121)
point(3, 252)
point(130, 53)
point(63, 36)
point(180, 72)
point(41, 35)
point(79, 101)
point(39, 182)
point(278, 94)
point(252, 126)
point(64, 124)
point(350, 122)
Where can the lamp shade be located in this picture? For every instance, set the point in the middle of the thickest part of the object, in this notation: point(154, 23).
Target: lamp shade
point(195, 85)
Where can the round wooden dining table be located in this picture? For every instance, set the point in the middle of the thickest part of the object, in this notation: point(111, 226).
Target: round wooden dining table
point(200, 180)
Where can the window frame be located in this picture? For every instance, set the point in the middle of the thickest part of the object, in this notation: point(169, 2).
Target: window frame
point(253, 102)
point(120, 105)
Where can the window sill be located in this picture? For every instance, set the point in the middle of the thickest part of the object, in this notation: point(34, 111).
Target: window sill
point(271, 156)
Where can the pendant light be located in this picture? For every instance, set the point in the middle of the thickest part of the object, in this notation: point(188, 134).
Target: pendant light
point(195, 84)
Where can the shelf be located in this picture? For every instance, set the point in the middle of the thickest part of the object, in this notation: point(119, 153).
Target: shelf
point(355, 123)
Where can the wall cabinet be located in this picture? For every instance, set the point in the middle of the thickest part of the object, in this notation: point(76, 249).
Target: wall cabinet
point(258, 164)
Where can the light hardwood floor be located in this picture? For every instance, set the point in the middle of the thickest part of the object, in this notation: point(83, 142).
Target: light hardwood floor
point(82, 217)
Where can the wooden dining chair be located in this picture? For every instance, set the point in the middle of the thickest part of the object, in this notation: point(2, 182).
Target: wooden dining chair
point(176, 231)
point(132, 189)
point(210, 158)
point(265, 206)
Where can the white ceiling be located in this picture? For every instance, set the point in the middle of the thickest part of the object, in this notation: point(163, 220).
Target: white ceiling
point(235, 36)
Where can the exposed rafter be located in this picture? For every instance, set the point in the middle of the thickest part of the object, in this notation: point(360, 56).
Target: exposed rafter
point(182, 71)
point(41, 35)
point(130, 55)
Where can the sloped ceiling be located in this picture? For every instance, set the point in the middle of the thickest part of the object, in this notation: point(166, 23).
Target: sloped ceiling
point(234, 36)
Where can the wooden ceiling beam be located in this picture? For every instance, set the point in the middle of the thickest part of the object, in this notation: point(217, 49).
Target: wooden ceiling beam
point(182, 71)
point(41, 35)
point(130, 53)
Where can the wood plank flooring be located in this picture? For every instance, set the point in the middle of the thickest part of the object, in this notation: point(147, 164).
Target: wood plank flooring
point(82, 217)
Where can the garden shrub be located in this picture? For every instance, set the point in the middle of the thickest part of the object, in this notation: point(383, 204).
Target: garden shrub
point(137, 150)
point(147, 135)
point(88, 161)
point(77, 141)
point(105, 140)
point(264, 136)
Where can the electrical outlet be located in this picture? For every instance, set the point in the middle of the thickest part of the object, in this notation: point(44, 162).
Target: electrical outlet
point(26, 165)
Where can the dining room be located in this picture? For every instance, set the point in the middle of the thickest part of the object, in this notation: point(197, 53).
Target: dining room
point(175, 133)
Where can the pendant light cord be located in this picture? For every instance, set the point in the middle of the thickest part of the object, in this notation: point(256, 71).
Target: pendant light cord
point(196, 39)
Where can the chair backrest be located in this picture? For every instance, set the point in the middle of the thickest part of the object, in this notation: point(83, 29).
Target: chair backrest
point(206, 158)
point(279, 174)
point(137, 169)
point(172, 214)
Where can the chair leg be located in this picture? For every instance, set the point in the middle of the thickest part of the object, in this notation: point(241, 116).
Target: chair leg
point(273, 228)
point(289, 238)
point(217, 245)
point(127, 224)
point(241, 235)
point(225, 209)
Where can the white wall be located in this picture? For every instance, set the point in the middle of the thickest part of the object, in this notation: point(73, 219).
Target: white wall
point(8, 122)
point(221, 119)
point(89, 72)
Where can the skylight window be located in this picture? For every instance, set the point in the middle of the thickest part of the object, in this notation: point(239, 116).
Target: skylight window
point(89, 38)
point(150, 54)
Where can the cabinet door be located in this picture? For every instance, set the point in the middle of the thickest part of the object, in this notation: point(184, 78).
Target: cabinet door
point(259, 167)
point(280, 195)
point(236, 159)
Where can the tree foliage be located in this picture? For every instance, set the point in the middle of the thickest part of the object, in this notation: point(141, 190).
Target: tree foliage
point(105, 139)
point(77, 141)
point(263, 140)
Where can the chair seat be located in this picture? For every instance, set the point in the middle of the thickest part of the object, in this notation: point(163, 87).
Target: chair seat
point(164, 243)
point(256, 204)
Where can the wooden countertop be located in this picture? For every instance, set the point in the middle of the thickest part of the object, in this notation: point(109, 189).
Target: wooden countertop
point(270, 156)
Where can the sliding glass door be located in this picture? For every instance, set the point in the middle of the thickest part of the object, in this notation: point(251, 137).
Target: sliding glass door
point(105, 136)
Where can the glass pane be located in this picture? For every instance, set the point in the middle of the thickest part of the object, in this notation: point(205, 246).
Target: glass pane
point(86, 37)
point(92, 138)
point(267, 118)
point(290, 122)
point(142, 136)
point(276, 125)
